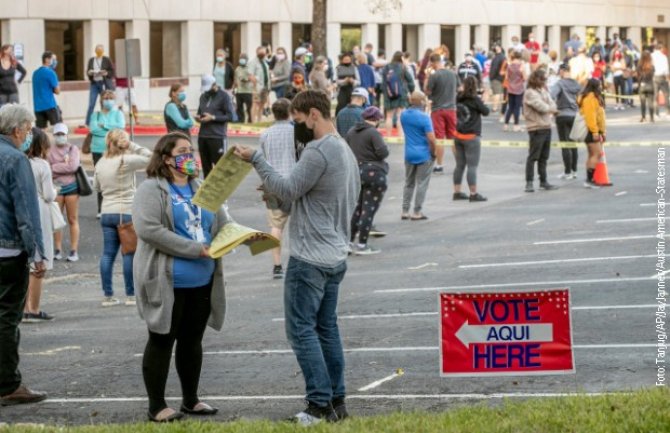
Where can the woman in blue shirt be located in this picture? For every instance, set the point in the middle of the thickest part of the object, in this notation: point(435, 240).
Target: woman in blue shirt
point(176, 115)
point(179, 287)
point(109, 117)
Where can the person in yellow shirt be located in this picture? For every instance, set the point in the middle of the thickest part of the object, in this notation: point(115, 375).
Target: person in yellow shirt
point(591, 106)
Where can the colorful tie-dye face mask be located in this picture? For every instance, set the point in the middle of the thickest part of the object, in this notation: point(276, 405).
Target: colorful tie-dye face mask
point(186, 163)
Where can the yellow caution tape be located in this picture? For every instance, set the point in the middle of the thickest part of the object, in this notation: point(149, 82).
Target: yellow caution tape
point(614, 95)
point(557, 144)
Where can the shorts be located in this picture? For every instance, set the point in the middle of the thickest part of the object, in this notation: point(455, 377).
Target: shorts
point(44, 118)
point(277, 218)
point(496, 87)
point(122, 96)
point(262, 96)
point(70, 189)
point(589, 138)
point(444, 123)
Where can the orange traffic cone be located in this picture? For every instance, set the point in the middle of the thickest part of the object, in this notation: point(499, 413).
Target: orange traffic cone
point(600, 175)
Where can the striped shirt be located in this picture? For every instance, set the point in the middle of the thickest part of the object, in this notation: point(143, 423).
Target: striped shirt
point(278, 147)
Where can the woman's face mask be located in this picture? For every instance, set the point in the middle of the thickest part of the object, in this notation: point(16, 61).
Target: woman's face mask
point(219, 59)
point(108, 104)
point(181, 96)
point(186, 163)
point(281, 57)
point(61, 140)
point(243, 62)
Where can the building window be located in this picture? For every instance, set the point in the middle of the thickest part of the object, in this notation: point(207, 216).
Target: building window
point(66, 40)
point(117, 30)
point(448, 38)
point(495, 35)
point(229, 37)
point(165, 49)
point(302, 33)
point(266, 34)
point(350, 36)
point(381, 38)
point(525, 31)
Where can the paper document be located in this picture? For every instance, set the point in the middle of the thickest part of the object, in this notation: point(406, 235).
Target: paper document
point(232, 235)
point(222, 181)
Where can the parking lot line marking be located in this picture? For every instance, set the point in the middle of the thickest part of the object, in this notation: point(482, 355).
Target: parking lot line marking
point(69, 277)
point(558, 283)
point(532, 223)
point(434, 313)
point(425, 265)
point(546, 262)
point(660, 274)
point(580, 241)
point(463, 396)
point(52, 351)
point(376, 383)
point(648, 204)
point(629, 220)
point(620, 193)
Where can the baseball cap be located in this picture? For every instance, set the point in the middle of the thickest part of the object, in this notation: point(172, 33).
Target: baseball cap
point(564, 67)
point(300, 51)
point(360, 91)
point(372, 113)
point(60, 128)
point(206, 82)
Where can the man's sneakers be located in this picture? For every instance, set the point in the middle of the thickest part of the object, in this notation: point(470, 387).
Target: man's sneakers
point(130, 301)
point(460, 196)
point(529, 187)
point(110, 301)
point(314, 414)
point(73, 257)
point(36, 317)
point(438, 169)
point(23, 395)
point(547, 186)
point(340, 408)
point(376, 233)
point(364, 250)
point(277, 272)
point(477, 197)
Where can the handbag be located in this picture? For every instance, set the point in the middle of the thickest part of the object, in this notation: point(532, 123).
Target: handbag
point(578, 131)
point(86, 145)
point(57, 220)
point(126, 231)
point(85, 188)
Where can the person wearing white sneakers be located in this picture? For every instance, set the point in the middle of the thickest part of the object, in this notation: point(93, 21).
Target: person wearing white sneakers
point(64, 159)
point(114, 178)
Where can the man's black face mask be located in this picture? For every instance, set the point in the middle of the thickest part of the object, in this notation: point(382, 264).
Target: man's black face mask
point(302, 135)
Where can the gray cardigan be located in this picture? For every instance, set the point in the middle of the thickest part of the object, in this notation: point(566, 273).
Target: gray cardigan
point(157, 244)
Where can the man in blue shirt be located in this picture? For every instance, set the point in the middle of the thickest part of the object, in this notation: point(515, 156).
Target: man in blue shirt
point(45, 86)
point(351, 114)
point(420, 145)
point(21, 247)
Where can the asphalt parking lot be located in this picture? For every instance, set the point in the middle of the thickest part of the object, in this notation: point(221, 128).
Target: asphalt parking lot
point(599, 243)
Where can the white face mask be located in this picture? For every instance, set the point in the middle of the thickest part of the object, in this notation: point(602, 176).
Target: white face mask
point(281, 57)
point(61, 140)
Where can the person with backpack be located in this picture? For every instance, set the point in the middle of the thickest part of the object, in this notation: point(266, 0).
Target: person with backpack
point(397, 84)
point(467, 144)
point(441, 89)
point(565, 93)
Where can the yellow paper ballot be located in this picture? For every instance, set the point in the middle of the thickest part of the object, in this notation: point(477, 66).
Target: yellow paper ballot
point(222, 181)
point(232, 235)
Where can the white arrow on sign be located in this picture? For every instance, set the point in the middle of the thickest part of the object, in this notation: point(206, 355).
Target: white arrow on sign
point(522, 332)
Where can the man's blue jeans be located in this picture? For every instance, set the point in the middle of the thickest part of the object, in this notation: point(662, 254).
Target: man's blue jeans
point(310, 308)
point(96, 90)
point(111, 244)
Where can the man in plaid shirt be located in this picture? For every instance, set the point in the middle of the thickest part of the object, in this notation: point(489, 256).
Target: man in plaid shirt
point(279, 151)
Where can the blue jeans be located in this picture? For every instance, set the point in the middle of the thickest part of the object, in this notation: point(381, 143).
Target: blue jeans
point(310, 308)
point(111, 245)
point(279, 91)
point(97, 88)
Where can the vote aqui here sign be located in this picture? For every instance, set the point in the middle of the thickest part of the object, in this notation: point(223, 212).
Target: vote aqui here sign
point(525, 332)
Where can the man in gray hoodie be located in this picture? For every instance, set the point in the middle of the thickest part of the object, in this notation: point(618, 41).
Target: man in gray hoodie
point(565, 93)
point(323, 187)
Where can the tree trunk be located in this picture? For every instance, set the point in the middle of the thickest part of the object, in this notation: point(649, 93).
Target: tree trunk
point(319, 25)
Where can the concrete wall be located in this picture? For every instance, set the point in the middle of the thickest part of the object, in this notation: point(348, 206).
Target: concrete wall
point(189, 30)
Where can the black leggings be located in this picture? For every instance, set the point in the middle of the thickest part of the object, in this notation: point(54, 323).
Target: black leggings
point(242, 100)
point(96, 158)
point(373, 186)
point(564, 126)
point(647, 103)
point(620, 87)
point(189, 319)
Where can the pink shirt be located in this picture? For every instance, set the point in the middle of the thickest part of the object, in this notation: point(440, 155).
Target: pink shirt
point(64, 161)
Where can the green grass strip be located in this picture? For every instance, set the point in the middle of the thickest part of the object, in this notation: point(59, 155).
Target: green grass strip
point(645, 411)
